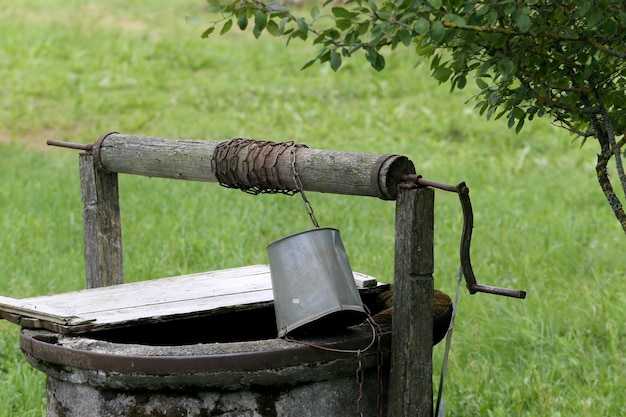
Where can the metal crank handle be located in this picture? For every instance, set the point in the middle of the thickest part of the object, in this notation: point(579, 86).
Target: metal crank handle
point(497, 290)
point(466, 263)
point(466, 237)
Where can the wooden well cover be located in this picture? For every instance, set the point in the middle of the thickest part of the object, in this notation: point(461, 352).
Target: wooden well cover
point(158, 300)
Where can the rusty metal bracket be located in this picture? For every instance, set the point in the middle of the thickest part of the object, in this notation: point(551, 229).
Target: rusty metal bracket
point(96, 150)
point(415, 180)
point(93, 148)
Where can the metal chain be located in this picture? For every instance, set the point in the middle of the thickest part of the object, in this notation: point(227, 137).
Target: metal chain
point(360, 372)
point(379, 369)
point(359, 380)
point(254, 172)
point(296, 177)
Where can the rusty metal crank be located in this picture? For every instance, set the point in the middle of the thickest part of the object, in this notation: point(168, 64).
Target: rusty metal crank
point(462, 190)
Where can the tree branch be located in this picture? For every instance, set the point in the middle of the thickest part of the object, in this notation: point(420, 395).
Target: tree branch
point(613, 145)
point(604, 49)
point(607, 188)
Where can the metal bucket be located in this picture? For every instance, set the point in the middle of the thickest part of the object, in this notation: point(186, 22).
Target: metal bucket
point(313, 284)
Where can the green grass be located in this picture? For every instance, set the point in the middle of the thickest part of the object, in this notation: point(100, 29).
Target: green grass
point(76, 69)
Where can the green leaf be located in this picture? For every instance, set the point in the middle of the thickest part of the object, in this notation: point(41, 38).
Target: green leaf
point(315, 11)
point(511, 122)
point(281, 25)
point(227, 25)
point(373, 5)
point(375, 59)
point(442, 74)
point(303, 28)
point(595, 16)
point(610, 28)
point(570, 32)
point(242, 21)
point(506, 67)
point(519, 113)
point(260, 21)
point(482, 105)
point(308, 63)
point(482, 9)
point(435, 4)
point(460, 81)
point(421, 26)
point(454, 18)
point(437, 32)
point(405, 36)
point(522, 20)
point(343, 13)
point(343, 24)
point(335, 61)
point(272, 28)
point(207, 32)
point(583, 9)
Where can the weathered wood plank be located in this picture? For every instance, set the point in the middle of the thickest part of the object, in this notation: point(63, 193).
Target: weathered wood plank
point(35, 310)
point(324, 171)
point(193, 295)
point(160, 291)
point(410, 385)
point(102, 224)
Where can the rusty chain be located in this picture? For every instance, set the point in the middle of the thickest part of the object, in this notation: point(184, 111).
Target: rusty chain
point(252, 166)
point(296, 177)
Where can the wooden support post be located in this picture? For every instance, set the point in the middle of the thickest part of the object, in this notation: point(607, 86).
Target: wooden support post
point(410, 386)
point(102, 225)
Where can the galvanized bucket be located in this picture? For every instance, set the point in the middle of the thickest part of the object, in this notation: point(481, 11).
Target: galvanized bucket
point(313, 284)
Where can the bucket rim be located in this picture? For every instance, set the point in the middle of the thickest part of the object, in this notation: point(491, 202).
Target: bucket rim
point(301, 233)
point(358, 312)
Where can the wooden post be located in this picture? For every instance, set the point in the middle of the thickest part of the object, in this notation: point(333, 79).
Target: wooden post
point(102, 225)
point(410, 385)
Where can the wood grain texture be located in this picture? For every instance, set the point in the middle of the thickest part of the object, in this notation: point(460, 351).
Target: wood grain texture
point(323, 171)
point(410, 386)
point(102, 224)
point(194, 295)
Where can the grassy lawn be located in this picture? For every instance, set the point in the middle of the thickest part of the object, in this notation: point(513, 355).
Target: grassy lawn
point(76, 69)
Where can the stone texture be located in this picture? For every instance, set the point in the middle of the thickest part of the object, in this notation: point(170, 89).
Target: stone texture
point(333, 398)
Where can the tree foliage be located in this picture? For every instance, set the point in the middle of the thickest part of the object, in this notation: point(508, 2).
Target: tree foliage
point(528, 58)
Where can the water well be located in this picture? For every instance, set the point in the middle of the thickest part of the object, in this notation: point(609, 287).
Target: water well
point(200, 367)
point(183, 346)
point(196, 345)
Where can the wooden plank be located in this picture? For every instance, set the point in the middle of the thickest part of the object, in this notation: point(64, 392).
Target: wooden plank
point(157, 291)
point(192, 295)
point(410, 381)
point(35, 310)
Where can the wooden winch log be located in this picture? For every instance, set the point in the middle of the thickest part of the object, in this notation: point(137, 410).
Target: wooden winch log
point(351, 173)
